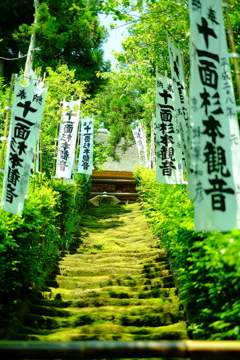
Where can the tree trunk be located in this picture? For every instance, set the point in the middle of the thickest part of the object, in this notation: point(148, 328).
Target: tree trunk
point(2, 68)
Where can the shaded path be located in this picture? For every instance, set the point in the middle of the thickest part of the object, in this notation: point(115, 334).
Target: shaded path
point(115, 286)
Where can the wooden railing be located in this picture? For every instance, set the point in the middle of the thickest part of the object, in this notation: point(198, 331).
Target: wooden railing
point(185, 349)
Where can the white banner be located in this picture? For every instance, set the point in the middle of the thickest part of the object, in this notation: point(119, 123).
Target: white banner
point(27, 109)
point(215, 133)
point(152, 156)
point(182, 107)
point(85, 164)
point(140, 139)
point(68, 181)
point(67, 139)
point(169, 167)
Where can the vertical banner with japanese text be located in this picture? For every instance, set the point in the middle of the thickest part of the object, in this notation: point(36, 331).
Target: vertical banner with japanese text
point(27, 109)
point(152, 156)
point(169, 166)
point(85, 164)
point(182, 107)
point(140, 139)
point(67, 139)
point(215, 133)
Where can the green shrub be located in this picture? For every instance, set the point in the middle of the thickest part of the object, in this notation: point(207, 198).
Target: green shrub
point(206, 264)
point(30, 244)
point(73, 199)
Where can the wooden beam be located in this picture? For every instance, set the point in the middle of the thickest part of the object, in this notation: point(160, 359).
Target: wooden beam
point(112, 175)
point(197, 349)
point(99, 180)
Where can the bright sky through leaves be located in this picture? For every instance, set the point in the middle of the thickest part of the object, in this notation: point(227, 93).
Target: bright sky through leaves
point(116, 35)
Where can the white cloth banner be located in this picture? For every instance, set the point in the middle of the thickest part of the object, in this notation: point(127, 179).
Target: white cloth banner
point(67, 139)
point(140, 139)
point(152, 156)
point(169, 167)
point(85, 163)
point(182, 108)
point(68, 181)
point(27, 109)
point(215, 133)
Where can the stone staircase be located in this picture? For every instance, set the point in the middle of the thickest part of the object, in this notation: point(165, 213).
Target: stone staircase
point(114, 285)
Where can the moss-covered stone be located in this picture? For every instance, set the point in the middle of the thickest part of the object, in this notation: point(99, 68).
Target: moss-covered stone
point(116, 286)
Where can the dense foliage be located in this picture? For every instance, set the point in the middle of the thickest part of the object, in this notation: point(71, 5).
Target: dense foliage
point(62, 84)
point(70, 38)
point(66, 33)
point(206, 264)
point(31, 244)
point(133, 81)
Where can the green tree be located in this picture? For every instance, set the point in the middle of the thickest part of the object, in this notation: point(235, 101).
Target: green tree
point(66, 33)
point(13, 14)
point(143, 50)
point(62, 84)
point(130, 94)
point(118, 106)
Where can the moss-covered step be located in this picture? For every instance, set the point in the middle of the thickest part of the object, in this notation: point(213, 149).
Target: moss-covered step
point(50, 308)
point(116, 285)
point(136, 282)
point(108, 331)
point(73, 300)
point(104, 316)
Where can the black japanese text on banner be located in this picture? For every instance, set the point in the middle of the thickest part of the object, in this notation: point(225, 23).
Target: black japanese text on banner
point(27, 109)
point(140, 139)
point(182, 107)
point(215, 134)
point(169, 167)
point(67, 139)
point(85, 164)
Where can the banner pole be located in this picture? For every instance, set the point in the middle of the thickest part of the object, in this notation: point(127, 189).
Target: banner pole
point(55, 151)
point(56, 142)
point(233, 48)
point(34, 167)
point(32, 44)
point(41, 146)
point(77, 148)
point(40, 156)
point(6, 122)
point(153, 165)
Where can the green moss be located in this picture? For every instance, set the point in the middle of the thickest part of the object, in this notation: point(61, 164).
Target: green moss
point(115, 286)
